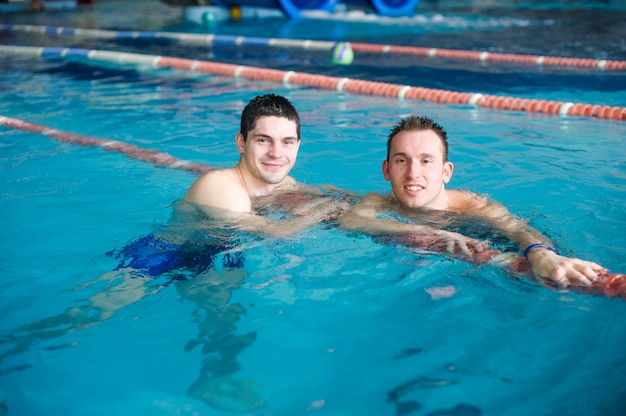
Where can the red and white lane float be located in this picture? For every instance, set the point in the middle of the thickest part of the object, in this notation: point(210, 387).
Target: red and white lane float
point(130, 151)
point(609, 284)
point(349, 85)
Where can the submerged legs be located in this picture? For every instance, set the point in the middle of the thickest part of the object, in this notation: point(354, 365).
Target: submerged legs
point(217, 324)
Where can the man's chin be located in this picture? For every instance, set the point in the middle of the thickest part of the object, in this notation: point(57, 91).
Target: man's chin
point(274, 179)
point(414, 203)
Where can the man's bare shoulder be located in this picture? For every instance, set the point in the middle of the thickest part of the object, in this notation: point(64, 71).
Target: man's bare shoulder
point(471, 203)
point(378, 200)
point(370, 204)
point(215, 178)
point(219, 188)
point(464, 201)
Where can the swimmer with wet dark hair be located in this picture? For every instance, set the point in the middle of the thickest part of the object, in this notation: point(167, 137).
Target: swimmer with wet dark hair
point(256, 196)
point(268, 142)
point(418, 168)
point(247, 196)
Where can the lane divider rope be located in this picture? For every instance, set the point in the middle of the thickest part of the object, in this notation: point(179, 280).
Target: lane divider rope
point(348, 85)
point(484, 56)
point(129, 150)
point(226, 40)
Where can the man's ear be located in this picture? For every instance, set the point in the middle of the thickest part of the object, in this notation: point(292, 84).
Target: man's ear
point(385, 167)
point(448, 169)
point(241, 145)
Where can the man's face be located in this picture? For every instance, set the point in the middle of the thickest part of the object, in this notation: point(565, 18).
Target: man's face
point(271, 149)
point(417, 171)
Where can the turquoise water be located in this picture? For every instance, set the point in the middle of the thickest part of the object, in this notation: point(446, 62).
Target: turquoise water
point(324, 322)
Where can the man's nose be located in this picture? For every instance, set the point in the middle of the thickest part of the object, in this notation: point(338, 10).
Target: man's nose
point(413, 169)
point(274, 150)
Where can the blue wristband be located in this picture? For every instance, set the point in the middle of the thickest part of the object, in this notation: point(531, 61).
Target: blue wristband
point(534, 246)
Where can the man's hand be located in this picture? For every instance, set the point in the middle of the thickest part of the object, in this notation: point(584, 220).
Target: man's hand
point(449, 242)
point(564, 271)
point(466, 245)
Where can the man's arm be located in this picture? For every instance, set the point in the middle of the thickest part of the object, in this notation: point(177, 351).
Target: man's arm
point(546, 263)
point(306, 217)
point(363, 217)
point(218, 195)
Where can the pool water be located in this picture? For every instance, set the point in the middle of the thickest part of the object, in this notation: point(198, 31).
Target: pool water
point(324, 322)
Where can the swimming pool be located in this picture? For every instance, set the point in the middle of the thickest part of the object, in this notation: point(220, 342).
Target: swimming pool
point(325, 322)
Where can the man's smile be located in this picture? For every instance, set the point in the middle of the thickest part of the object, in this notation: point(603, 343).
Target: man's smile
point(413, 188)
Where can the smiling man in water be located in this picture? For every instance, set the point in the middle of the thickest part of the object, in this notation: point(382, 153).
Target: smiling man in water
point(268, 144)
point(418, 168)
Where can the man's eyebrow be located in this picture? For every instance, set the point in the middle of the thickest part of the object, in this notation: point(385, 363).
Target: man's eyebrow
point(398, 154)
point(261, 135)
point(267, 136)
point(403, 154)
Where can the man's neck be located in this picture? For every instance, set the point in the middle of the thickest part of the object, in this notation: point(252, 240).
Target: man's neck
point(253, 186)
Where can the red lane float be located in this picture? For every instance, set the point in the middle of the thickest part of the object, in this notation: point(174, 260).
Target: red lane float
point(130, 151)
point(484, 56)
point(609, 284)
point(334, 83)
point(393, 90)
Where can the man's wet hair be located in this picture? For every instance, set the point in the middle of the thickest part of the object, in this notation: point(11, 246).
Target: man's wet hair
point(417, 123)
point(268, 105)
